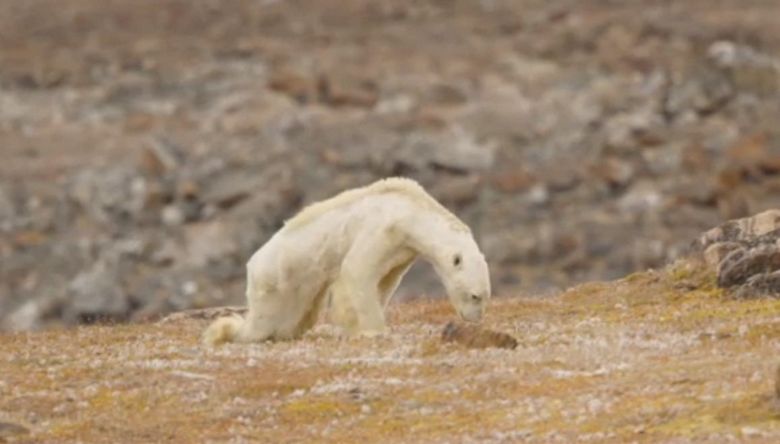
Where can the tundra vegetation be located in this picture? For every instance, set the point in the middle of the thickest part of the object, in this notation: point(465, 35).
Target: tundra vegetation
point(659, 355)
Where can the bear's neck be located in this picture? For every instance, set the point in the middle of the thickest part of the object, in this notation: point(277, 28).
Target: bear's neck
point(428, 234)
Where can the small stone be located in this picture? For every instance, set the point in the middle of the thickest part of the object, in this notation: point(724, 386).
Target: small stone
point(539, 194)
point(294, 84)
point(347, 91)
point(614, 171)
point(512, 181)
point(172, 215)
point(160, 156)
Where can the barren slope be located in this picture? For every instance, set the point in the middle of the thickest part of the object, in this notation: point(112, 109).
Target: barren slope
point(652, 357)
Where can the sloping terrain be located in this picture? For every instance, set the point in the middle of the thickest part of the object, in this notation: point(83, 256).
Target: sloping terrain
point(659, 356)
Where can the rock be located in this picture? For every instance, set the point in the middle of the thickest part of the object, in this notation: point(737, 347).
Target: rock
point(749, 69)
point(643, 196)
point(107, 194)
point(703, 91)
point(294, 84)
point(172, 215)
point(715, 253)
point(344, 90)
point(626, 131)
point(614, 171)
point(513, 181)
point(452, 150)
point(751, 157)
point(741, 230)
point(761, 284)
point(745, 254)
point(457, 190)
point(229, 189)
point(250, 114)
point(472, 336)
point(97, 293)
point(741, 265)
point(160, 156)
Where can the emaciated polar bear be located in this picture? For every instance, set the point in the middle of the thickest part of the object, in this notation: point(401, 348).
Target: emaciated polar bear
point(356, 247)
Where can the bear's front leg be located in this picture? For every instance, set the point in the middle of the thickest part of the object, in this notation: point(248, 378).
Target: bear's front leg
point(356, 306)
point(355, 294)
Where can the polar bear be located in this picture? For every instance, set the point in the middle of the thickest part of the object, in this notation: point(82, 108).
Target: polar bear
point(355, 248)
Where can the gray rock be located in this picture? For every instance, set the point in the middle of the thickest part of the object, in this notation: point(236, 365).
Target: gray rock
point(741, 230)
point(742, 265)
point(454, 150)
point(761, 284)
point(750, 70)
point(172, 215)
point(106, 194)
point(98, 293)
point(703, 91)
point(745, 254)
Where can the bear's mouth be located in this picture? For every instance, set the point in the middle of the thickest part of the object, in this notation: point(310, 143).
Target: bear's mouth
point(472, 318)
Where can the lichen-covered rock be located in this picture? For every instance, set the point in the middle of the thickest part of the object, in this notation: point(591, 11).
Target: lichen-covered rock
point(747, 229)
point(745, 253)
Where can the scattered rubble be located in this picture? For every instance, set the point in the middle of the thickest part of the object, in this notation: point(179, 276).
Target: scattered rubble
point(579, 142)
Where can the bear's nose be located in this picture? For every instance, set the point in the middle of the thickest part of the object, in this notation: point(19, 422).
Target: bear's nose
point(476, 298)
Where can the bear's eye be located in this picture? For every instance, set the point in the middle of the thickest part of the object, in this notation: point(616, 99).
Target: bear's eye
point(456, 260)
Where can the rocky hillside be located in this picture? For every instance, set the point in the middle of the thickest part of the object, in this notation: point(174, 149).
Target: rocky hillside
point(149, 147)
point(659, 356)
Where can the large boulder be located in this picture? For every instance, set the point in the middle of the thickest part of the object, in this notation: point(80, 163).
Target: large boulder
point(745, 254)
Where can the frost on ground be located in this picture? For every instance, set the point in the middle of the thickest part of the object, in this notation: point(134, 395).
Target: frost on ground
point(657, 356)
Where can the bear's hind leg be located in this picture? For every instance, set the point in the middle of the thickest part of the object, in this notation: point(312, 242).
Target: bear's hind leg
point(311, 316)
point(271, 316)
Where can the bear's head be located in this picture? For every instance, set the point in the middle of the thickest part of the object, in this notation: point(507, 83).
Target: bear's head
point(464, 273)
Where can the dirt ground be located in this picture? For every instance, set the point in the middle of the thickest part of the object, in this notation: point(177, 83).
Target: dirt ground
point(658, 356)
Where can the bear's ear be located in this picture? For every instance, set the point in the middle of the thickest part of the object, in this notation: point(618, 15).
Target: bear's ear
point(456, 260)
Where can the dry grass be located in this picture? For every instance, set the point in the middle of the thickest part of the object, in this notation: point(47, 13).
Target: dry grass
point(655, 357)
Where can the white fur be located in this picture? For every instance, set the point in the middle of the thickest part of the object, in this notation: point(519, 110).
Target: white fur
point(355, 247)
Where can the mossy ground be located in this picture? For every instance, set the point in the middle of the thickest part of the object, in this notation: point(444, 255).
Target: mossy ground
point(658, 356)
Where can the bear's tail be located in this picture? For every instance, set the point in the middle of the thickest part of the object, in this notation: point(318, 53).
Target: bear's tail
point(222, 330)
